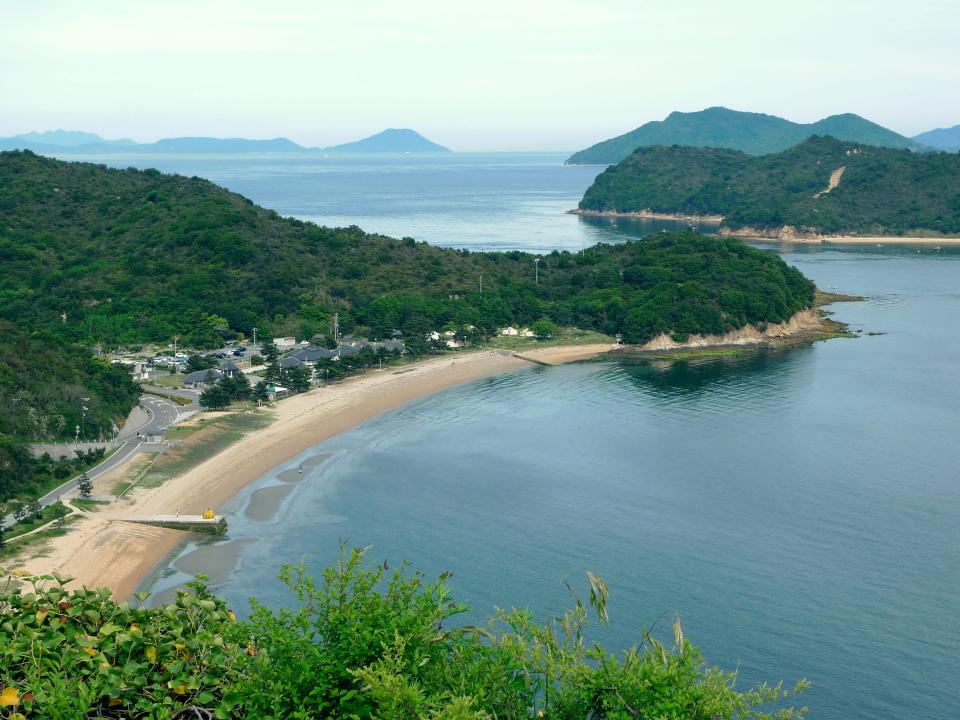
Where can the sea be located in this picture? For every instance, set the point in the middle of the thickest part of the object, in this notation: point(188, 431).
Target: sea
point(798, 509)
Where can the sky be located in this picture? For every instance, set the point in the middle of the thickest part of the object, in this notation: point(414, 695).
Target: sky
point(491, 75)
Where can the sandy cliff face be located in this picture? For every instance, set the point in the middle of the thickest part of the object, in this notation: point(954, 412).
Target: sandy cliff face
point(749, 335)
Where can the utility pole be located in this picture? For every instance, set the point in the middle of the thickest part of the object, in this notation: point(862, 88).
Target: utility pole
point(481, 286)
point(536, 271)
point(336, 332)
point(255, 341)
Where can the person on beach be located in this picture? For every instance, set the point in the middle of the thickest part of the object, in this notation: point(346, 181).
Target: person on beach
point(300, 469)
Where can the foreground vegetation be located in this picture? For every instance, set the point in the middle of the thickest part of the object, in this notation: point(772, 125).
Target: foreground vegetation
point(880, 192)
point(359, 643)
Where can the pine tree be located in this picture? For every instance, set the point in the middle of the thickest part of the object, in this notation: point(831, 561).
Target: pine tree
point(270, 351)
point(34, 509)
point(260, 393)
point(85, 486)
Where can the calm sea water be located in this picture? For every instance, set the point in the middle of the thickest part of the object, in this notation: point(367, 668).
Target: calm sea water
point(800, 510)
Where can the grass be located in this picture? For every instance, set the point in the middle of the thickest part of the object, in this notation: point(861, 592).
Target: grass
point(169, 381)
point(567, 336)
point(120, 488)
point(22, 528)
point(181, 432)
point(16, 546)
point(88, 504)
point(208, 438)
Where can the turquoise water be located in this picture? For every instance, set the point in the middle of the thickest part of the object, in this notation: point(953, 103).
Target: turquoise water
point(798, 509)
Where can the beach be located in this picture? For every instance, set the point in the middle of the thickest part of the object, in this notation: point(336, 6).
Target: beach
point(101, 550)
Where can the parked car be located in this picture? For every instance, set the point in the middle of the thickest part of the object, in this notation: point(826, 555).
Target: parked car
point(242, 348)
point(238, 353)
point(221, 355)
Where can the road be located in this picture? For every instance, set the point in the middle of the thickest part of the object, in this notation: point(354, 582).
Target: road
point(162, 413)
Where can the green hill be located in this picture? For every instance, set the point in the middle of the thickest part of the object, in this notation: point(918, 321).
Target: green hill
point(879, 191)
point(124, 256)
point(753, 133)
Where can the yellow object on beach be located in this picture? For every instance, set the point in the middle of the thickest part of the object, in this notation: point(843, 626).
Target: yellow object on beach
point(208, 514)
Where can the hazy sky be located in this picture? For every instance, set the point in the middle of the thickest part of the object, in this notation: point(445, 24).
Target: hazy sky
point(489, 75)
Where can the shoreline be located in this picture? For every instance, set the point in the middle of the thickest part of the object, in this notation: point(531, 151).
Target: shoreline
point(786, 234)
point(790, 235)
point(102, 550)
point(648, 215)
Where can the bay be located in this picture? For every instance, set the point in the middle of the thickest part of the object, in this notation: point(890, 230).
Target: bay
point(798, 509)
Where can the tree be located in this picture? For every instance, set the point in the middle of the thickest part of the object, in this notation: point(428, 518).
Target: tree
point(297, 379)
point(60, 513)
point(19, 512)
point(34, 510)
point(200, 362)
point(3, 530)
point(270, 351)
point(214, 398)
point(85, 486)
point(260, 392)
point(544, 329)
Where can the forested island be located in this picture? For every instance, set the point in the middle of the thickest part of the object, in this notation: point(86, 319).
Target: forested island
point(102, 257)
point(822, 186)
point(749, 132)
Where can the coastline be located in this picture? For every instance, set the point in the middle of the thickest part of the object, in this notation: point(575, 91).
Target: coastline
point(786, 234)
point(647, 215)
point(789, 234)
point(103, 551)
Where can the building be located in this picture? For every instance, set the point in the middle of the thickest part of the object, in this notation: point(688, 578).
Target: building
point(202, 378)
point(230, 368)
point(285, 343)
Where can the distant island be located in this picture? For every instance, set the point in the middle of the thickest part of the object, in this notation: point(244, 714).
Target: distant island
point(946, 139)
point(752, 133)
point(822, 186)
point(68, 142)
point(392, 140)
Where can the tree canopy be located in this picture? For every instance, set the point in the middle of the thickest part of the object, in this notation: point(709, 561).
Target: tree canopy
point(878, 190)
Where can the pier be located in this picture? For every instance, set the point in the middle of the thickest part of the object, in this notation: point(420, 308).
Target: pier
point(208, 522)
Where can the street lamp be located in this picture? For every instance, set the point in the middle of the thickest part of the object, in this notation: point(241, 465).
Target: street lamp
point(83, 406)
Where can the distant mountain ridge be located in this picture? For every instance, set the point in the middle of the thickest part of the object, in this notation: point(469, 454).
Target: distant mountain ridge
point(58, 142)
point(391, 140)
point(946, 139)
point(752, 133)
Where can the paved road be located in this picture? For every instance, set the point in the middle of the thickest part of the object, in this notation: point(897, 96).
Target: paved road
point(162, 414)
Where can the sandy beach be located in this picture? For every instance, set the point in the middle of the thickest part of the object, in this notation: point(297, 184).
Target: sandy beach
point(102, 550)
point(788, 235)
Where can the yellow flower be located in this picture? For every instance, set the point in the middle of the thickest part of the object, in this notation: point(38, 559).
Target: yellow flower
point(151, 653)
point(90, 651)
point(9, 697)
point(232, 615)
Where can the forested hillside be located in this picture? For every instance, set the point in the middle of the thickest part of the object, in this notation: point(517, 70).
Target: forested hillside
point(98, 255)
point(753, 133)
point(820, 186)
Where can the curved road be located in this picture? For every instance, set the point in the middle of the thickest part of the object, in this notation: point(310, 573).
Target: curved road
point(162, 414)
